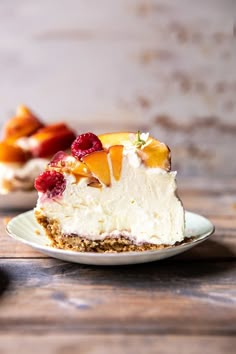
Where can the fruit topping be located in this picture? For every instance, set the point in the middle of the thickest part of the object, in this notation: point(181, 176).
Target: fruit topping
point(58, 157)
point(85, 144)
point(98, 164)
point(53, 128)
point(23, 124)
point(110, 139)
point(11, 153)
point(81, 169)
point(47, 141)
point(156, 154)
point(116, 155)
point(152, 152)
point(50, 182)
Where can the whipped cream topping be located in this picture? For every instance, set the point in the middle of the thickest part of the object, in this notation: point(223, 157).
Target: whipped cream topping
point(14, 176)
point(142, 205)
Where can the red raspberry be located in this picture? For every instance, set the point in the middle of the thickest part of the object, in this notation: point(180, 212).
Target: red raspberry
point(59, 156)
point(50, 182)
point(84, 144)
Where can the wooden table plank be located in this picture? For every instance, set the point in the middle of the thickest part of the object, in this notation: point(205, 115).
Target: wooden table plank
point(187, 302)
point(213, 197)
point(100, 344)
point(162, 297)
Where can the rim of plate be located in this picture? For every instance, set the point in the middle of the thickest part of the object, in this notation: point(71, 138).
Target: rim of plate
point(198, 239)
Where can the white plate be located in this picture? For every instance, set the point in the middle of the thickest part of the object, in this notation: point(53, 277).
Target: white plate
point(18, 200)
point(22, 228)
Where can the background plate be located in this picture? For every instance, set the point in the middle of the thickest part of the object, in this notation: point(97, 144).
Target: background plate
point(22, 228)
point(18, 200)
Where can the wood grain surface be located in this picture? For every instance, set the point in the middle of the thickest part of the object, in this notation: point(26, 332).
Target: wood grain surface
point(187, 302)
point(117, 344)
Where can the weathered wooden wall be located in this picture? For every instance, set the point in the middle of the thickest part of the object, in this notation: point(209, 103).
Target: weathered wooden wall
point(161, 65)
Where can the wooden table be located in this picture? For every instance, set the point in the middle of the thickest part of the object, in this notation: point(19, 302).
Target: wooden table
point(186, 304)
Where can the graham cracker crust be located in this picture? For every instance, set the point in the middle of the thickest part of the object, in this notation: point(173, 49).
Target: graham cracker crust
point(82, 244)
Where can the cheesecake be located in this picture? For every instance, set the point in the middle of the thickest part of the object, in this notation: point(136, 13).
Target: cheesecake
point(113, 193)
point(26, 147)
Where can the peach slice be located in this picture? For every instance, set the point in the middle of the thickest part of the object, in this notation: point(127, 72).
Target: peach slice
point(116, 155)
point(11, 153)
point(97, 163)
point(47, 141)
point(53, 128)
point(81, 169)
point(23, 124)
point(156, 154)
point(110, 139)
point(23, 111)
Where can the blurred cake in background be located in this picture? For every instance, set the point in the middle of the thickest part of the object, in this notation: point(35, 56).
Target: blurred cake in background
point(26, 146)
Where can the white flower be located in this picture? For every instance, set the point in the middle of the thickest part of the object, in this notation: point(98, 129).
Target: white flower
point(144, 136)
point(136, 141)
point(142, 140)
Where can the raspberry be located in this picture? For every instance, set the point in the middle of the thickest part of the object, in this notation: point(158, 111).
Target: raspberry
point(85, 144)
point(50, 182)
point(59, 156)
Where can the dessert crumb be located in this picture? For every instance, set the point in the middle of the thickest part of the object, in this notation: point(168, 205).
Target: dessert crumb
point(37, 232)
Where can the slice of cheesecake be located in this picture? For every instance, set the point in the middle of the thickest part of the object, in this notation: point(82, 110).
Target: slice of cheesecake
point(114, 193)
